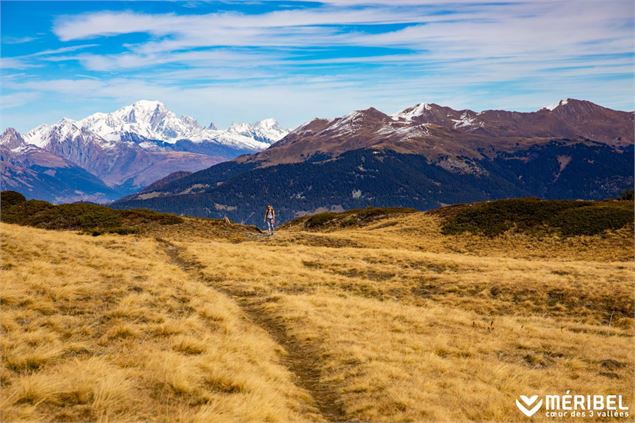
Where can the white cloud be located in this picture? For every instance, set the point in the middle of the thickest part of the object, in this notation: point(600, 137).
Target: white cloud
point(52, 52)
point(17, 40)
point(240, 64)
point(540, 30)
point(215, 58)
point(200, 26)
point(12, 100)
point(13, 63)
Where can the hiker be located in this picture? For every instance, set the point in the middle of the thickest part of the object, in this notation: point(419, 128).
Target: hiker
point(270, 218)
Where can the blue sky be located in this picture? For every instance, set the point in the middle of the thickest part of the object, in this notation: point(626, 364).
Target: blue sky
point(229, 61)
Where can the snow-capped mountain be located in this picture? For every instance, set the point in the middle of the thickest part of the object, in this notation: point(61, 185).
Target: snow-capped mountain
point(12, 140)
point(412, 112)
point(152, 120)
point(65, 131)
point(562, 102)
point(266, 130)
point(141, 143)
point(424, 113)
point(38, 173)
point(452, 137)
point(150, 124)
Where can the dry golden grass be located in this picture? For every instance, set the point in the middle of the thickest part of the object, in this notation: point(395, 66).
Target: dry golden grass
point(422, 232)
point(106, 329)
point(410, 325)
point(390, 322)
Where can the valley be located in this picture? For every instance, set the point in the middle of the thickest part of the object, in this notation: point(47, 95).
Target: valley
point(360, 316)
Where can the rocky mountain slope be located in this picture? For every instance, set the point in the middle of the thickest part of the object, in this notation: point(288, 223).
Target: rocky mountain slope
point(441, 133)
point(41, 174)
point(134, 146)
point(423, 157)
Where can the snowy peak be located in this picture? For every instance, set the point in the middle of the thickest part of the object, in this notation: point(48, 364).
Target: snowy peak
point(151, 120)
point(240, 128)
point(266, 130)
point(66, 127)
point(412, 112)
point(149, 106)
point(10, 134)
point(144, 112)
point(38, 136)
point(562, 102)
point(66, 130)
point(151, 125)
point(269, 123)
point(371, 114)
point(430, 113)
point(12, 140)
point(148, 119)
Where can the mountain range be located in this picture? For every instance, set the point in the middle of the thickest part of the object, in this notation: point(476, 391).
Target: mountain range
point(423, 157)
point(109, 155)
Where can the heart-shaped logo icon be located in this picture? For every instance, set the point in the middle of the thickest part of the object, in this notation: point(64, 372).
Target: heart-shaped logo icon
point(529, 405)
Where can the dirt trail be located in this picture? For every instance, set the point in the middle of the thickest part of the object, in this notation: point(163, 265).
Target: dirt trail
point(302, 360)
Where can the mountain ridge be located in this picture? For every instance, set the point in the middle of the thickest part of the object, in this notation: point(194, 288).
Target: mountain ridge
point(149, 121)
point(45, 175)
point(435, 131)
point(130, 148)
point(423, 157)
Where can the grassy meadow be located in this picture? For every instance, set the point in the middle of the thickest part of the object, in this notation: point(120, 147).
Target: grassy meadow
point(390, 318)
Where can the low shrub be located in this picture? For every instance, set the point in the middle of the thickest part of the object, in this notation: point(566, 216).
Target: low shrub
point(531, 215)
point(10, 198)
point(350, 218)
point(592, 220)
point(87, 217)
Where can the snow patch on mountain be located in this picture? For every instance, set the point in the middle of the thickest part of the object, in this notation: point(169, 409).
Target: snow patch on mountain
point(346, 123)
point(12, 140)
point(266, 130)
point(562, 102)
point(464, 120)
point(412, 112)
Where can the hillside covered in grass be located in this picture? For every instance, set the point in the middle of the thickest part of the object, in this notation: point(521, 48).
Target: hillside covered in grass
point(535, 216)
point(86, 217)
point(368, 316)
point(349, 218)
point(530, 216)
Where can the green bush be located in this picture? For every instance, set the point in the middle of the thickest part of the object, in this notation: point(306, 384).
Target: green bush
point(350, 217)
point(10, 198)
point(90, 218)
point(592, 220)
point(627, 195)
point(531, 215)
point(21, 212)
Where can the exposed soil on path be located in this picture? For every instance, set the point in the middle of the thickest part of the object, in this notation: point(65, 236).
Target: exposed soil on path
point(302, 360)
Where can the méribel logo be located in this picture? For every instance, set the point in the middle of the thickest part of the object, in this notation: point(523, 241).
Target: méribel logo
point(529, 405)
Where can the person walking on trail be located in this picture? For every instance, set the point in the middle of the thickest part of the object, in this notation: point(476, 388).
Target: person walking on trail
point(270, 218)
